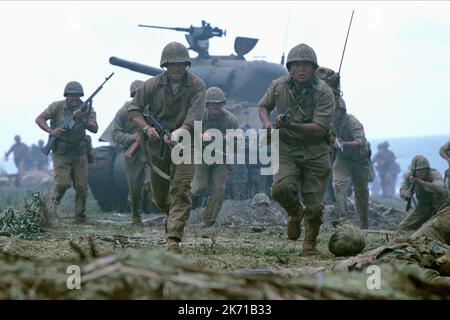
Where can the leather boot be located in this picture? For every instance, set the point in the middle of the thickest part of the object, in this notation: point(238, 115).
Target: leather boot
point(173, 245)
point(312, 227)
point(294, 223)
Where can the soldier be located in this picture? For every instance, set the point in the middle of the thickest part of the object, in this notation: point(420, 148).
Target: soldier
point(387, 169)
point(124, 133)
point(429, 189)
point(444, 152)
point(212, 177)
point(177, 97)
point(351, 164)
point(304, 146)
point(70, 152)
point(40, 160)
point(21, 157)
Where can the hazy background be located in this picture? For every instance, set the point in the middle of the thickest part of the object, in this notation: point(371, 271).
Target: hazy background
point(395, 74)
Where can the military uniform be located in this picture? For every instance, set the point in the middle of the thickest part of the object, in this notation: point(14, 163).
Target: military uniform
point(445, 150)
point(212, 177)
point(387, 169)
point(304, 163)
point(171, 183)
point(122, 133)
point(438, 227)
point(20, 152)
point(70, 157)
point(429, 199)
point(352, 165)
point(40, 160)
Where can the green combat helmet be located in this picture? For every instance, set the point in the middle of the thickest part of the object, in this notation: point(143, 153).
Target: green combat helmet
point(174, 52)
point(301, 52)
point(347, 240)
point(215, 95)
point(135, 86)
point(260, 198)
point(73, 87)
point(420, 162)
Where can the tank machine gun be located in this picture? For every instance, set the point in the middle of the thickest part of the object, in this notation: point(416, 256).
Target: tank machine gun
point(244, 83)
point(198, 37)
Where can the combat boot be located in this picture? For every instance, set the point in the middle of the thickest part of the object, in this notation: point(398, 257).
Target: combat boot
point(173, 245)
point(294, 224)
point(312, 227)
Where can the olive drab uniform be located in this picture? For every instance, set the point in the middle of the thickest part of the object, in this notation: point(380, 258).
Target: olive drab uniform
point(70, 157)
point(387, 169)
point(445, 149)
point(21, 155)
point(352, 165)
point(438, 227)
point(212, 177)
point(430, 199)
point(304, 163)
point(170, 183)
point(122, 133)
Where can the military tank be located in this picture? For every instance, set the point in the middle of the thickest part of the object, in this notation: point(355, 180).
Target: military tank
point(244, 83)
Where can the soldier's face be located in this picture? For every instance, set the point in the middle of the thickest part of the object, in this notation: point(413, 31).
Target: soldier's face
point(73, 100)
point(176, 70)
point(214, 109)
point(422, 173)
point(301, 71)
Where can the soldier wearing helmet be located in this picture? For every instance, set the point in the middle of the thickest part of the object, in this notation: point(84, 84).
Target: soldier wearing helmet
point(212, 177)
point(444, 152)
point(71, 152)
point(177, 97)
point(39, 159)
point(21, 155)
point(352, 163)
point(304, 142)
point(124, 133)
point(429, 191)
point(387, 169)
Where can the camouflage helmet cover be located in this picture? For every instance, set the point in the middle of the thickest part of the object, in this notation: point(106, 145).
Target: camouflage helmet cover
point(73, 87)
point(134, 86)
point(420, 162)
point(260, 198)
point(174, 52)
point(347, 240)
point(301, 52)
point(330, 77)
point(215, 95)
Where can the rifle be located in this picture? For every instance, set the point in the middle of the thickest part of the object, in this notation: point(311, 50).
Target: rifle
point(411, 188)
point(70, 120)
point(162, 130)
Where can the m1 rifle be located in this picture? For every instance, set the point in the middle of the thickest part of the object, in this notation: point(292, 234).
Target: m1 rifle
point(162, 129)
point(69, 122)
point(411, 188)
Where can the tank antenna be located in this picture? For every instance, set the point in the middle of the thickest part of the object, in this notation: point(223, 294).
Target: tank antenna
point(346, 38)
point(286, 32)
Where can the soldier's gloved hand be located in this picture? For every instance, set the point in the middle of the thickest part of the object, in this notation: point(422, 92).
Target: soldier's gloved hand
point(58, 132)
